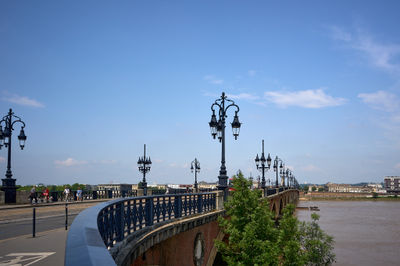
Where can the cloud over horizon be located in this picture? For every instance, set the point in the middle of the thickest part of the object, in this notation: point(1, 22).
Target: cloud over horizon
point(22, 100)
point(381, 100)
point(384, 56)
point(307, 98)
point(69, 162)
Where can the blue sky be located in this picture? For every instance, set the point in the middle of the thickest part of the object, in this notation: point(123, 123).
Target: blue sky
point(319, 81)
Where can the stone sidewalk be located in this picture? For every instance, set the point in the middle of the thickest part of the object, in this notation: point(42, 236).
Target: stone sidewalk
point(47, 248)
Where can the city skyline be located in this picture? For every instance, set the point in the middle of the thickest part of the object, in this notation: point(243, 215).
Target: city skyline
point(95, 80)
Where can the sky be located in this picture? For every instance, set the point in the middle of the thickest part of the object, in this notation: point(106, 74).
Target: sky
point(94, 81)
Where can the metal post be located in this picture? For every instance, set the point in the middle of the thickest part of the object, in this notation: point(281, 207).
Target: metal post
point(66, 216)
point(34, 222)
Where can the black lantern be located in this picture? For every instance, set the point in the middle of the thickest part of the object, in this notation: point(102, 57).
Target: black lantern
point(213, 125)
point(236, 126)
point(22, 139)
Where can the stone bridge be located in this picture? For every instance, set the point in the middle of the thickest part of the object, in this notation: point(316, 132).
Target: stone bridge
point(155, 230)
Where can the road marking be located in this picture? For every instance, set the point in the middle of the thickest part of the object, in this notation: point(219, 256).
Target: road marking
point(23, 259)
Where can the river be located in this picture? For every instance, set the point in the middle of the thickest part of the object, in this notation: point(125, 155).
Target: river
point(365, 232)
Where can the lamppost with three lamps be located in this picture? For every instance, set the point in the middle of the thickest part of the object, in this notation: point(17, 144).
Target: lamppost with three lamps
point(144, 164)
point(218, 128)
point(262, 166)
point(8, 185)
point(195, 167)
point(276, 166)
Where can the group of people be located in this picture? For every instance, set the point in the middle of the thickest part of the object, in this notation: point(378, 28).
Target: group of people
point(68, 196)
point(46, 195)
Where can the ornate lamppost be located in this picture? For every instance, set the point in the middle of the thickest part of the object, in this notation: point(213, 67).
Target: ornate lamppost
point(9, 120)
point(276, 166)
point(218, 128)
point(288, 173)
point(282, 174)
point(144, 164)
point(263, 165)
point(195, 167)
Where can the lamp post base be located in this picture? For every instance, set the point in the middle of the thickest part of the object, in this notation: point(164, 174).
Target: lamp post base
point(10, 190)
point(223, 185)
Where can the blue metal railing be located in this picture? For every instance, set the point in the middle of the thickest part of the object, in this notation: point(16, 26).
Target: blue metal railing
point(120, 218)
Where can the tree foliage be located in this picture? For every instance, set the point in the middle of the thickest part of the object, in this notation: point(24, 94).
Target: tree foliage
point(254, 238)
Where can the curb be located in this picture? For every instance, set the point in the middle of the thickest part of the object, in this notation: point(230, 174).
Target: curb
point(10, 207)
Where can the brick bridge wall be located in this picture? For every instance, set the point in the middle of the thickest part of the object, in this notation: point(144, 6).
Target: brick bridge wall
point(190, 241)
point(181, 249)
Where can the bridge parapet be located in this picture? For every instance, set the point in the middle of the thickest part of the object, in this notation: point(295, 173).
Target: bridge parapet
point(120, 231)
point(107, 226)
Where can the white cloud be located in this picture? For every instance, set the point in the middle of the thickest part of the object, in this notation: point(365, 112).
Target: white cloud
point(22, 100)
point(306, 98)
point(251, 73)
point(383, 56)
point(243, 96)
point(2, 159)
point(381, 100)
point(69, 162)
point(213, 80)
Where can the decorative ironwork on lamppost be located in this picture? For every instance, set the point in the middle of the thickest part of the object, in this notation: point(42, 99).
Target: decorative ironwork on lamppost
point(218, 129)
point(282, 173)
point(195, 167)
point(144, 164)
point(288, 173)
point(276, 166)
point(263, 165)
point(9, 121)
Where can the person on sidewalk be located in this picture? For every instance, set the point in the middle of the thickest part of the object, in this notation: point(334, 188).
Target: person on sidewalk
point(46, 194)
point(33, 195)
point(79, 194)
point(66, 193)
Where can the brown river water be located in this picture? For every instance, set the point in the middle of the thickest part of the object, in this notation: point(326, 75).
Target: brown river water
point(365, 232)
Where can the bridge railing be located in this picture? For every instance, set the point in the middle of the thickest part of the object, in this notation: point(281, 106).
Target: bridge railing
point(121, 218)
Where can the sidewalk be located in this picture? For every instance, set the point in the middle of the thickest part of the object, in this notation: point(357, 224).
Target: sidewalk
point(47, 248)
point(21, 206)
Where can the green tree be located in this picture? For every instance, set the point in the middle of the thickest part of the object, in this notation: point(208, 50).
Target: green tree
point(318, 246)
point(255, 239)
point(314, 188)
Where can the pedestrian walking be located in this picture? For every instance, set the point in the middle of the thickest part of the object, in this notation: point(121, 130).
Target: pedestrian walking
point(79, 194)
point(33, 195)
point(66, 193)
point(46, 194)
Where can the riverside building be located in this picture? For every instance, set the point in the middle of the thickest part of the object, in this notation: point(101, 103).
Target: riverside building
point(392, 184)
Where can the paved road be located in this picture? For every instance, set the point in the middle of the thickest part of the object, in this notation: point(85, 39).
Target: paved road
point(17, 222)
point(18, 247)
point(24, 227)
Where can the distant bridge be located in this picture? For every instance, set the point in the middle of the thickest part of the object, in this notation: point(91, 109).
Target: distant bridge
point(167, 229)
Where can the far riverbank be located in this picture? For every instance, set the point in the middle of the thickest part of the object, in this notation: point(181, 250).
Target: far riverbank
point(346, 196)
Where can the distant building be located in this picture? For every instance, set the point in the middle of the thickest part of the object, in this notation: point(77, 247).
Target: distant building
point(206, 185)
point(392, 184)
point(116, 188)
point(332, 187)
point(315, 188)
point(375, 187)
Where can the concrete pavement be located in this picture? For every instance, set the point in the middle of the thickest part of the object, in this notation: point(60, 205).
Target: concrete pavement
point(47, 248)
